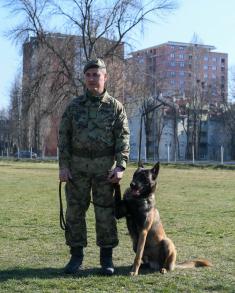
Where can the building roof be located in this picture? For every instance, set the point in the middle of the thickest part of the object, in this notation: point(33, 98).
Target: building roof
point(179, 44)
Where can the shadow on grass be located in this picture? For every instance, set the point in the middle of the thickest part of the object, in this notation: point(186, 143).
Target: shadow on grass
point(52, 273)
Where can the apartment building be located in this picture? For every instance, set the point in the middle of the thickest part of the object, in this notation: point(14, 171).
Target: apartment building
point(180, 69)
point(195, 77)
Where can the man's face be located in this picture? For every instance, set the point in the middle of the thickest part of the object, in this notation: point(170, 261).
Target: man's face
point(95, 79)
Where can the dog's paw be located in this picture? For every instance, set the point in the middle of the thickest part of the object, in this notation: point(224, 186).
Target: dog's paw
point(133, 274)
point(163, 271)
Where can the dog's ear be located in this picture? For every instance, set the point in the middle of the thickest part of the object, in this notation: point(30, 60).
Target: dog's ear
point(155, 170)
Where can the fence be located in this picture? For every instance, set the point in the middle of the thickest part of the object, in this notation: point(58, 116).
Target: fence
point(29, 154)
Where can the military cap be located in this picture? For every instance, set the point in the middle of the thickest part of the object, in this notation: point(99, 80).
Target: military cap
point(94, 63)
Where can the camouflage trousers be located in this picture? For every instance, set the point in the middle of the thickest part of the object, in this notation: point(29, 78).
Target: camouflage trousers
point(78, 197)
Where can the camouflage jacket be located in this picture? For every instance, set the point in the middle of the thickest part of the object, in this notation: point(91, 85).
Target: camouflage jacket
point(94, 127)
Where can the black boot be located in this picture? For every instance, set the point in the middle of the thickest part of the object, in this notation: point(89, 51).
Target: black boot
point(75, 261)
point(106, 261)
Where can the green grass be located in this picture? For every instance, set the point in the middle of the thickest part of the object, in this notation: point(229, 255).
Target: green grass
point(197, 207)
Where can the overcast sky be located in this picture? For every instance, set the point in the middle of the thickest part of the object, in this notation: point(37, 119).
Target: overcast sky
point(212, 20)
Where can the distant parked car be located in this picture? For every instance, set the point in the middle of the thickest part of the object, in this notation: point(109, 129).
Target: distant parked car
point(25, 154)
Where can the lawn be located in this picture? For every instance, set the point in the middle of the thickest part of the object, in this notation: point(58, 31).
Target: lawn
point(197, 207)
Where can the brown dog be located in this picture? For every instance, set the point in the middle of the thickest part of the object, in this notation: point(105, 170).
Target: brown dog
point(150, 242)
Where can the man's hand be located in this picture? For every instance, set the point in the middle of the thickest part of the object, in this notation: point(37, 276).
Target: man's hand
point(64, 175)
point(116, 175)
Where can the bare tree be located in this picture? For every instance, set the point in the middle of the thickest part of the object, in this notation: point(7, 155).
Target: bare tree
point(87, 29)
point(198, 97)
point(230, 124)
point(4, 132)
point(232, 84)
point(143, 97)
point(92, 20)
point(14, 114)
point(228, 113)
point(140, 100)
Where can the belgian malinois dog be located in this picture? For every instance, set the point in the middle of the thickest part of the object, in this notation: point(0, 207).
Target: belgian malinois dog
point(150, 243)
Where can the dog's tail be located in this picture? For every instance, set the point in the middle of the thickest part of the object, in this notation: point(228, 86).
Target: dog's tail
point(195, 263)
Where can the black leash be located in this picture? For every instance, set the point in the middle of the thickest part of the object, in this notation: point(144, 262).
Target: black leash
point(63, 225)
point(117, 198)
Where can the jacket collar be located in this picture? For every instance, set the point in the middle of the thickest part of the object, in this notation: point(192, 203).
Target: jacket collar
point(104, 98)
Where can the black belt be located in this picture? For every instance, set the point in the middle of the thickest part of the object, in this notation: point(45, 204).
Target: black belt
point(94, 154)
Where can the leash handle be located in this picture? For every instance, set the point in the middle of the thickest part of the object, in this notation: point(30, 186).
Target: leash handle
point(117, 193)
point(63, 225)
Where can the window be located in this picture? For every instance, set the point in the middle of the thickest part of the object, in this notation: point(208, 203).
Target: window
point(214, 67)
point(205, 75)
point(181, 73)
point(190, 57)
point(222, 60)
point(181, 64)
point(213, 76)
point(172, 73)
point(214, 59)
point(172, 81)
point(172, 63)
point(181, 56)
point(141, 60)
point(172, 55)
point(205, 67)
point(205, 58)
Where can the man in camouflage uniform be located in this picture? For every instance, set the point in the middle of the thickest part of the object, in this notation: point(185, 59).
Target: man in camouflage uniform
point(93, 151)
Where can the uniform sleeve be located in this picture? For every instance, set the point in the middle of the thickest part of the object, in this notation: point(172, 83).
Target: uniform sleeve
point(122, 136)
point(64, 142)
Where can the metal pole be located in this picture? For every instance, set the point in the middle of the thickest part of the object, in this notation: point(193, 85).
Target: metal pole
point(140, 139)
point(145, 154)
point(168, 153)
point(222, 155)
point(193, 153)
